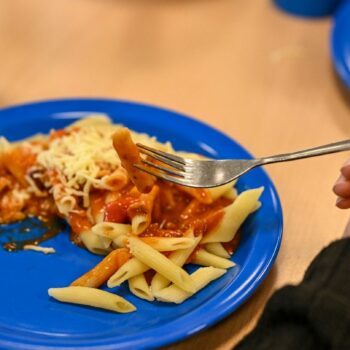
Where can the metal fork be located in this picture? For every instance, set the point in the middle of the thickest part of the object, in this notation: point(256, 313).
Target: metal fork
point(212, 173)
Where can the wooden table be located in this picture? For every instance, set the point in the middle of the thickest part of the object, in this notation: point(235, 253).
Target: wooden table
point(263, 77)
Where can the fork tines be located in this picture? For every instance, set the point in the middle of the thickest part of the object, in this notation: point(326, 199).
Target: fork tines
point(175, 165)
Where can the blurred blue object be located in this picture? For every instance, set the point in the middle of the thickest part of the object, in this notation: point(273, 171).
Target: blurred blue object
point(308, 8)
point(340, 43)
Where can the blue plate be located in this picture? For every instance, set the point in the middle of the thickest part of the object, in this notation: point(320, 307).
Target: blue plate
point(340, 42)
point(29, 319)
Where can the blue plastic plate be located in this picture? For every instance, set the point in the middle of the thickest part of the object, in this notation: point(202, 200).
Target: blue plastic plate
point(29, 319)
point(340, 42)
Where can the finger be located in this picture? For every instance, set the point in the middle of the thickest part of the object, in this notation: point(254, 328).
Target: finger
point(343, 203)
point(342, 187)
point(345, 169)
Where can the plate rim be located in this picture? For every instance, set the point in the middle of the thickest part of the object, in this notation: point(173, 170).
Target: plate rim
point(166, 338)
point(337, 53)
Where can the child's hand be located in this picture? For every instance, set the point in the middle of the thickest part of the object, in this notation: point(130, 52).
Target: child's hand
point(342, 187)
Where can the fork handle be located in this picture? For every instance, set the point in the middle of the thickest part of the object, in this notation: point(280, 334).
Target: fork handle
point(310, 152)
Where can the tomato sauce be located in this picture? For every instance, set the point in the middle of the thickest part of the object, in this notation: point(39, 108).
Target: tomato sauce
point(206, 222)
point(232, 245)
point(117, 211)
point(175, 211)
point(18, 161)
point(57, 134)
point(154, 230)
point(149, 276)
point(172, 202)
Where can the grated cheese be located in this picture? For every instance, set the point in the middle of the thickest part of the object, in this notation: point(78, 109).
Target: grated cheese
point(20, 195)
point(37, 248)
point(76, 156)
point(79, 156)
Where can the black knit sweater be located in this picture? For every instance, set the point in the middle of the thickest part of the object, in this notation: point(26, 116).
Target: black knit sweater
point(312, 315)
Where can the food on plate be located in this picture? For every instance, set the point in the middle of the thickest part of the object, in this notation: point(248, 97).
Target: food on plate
point(146, 229)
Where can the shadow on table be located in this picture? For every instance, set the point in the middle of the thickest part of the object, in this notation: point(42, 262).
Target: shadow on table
point(225, 333)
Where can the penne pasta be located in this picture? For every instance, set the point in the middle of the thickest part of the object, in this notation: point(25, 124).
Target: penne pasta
point(225, 190)
point(141, 211)
point(139, 223)
point(138, 286)
point(165, 244)
point(96, 244)
point(104, 269)
point(217, 249)
point(158, 262)
point(230, 194)
point(120, 241)
point(92, 297)
point(201, 277)
point(130, 269)
point(66, 204)
point(110, 229)
point(179, 257)
point(203, 195)
point(257, 206)
point(115, 181)
point(234, 216)
point(204, 258)
point(129, 155)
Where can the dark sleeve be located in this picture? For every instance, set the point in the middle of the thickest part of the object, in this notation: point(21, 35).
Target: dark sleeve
point(312, 315)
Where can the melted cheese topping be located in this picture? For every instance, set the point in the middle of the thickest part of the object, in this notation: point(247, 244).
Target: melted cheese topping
point(79, 157)
point(76, 155)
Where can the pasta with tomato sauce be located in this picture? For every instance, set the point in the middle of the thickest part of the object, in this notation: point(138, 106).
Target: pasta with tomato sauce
point(146, 229)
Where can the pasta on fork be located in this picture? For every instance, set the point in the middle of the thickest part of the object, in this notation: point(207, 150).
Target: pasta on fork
point(146, 230)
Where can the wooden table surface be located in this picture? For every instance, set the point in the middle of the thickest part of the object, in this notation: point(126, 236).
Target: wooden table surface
point(263, 77)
